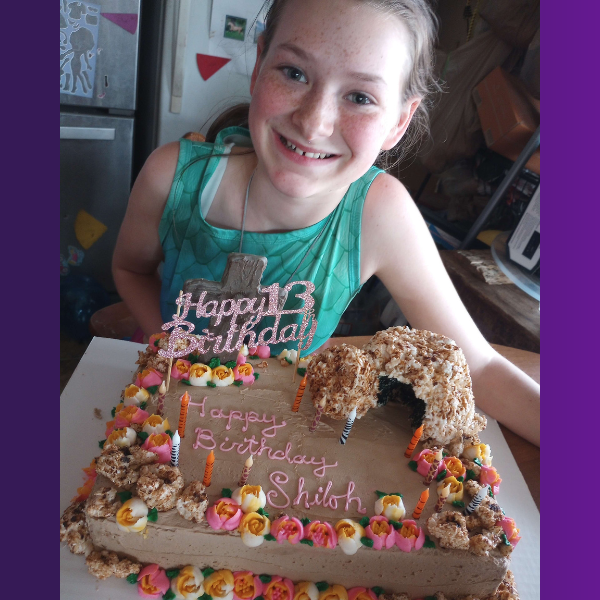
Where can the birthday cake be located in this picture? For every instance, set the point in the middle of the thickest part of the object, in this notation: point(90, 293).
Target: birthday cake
point(328, 507)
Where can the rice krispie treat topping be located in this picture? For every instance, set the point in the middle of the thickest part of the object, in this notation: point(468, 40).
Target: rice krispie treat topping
point(193, 502)
point(103, 503)
point(450, 528)
point(103, 564)
point(159, 486)
point(74, 530)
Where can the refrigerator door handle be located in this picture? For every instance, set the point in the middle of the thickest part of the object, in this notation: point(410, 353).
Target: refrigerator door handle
point(87, 133)
point(178, 66)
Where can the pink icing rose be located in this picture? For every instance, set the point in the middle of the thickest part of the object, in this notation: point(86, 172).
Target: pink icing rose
point(381, 531)
point(147, 378)
point(243, 371)
point(510, 529)
point(423, 465)
point(279, 588)
point(153, 341)
point(410, 536)
point(246, 585)
point(321, 534)
point(181, 369)
point(161, 444)
point(110, 427)
point(361, 593)
point(128, 415)
point(490, 475)
point(287, 528)
point(224, 514)
point(260, 351)
point(153, 582)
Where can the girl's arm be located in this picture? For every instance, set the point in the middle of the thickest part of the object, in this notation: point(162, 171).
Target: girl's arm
point(138, 251)
point(398, 248)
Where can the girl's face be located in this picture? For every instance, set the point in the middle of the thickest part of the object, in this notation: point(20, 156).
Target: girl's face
point(331, 85)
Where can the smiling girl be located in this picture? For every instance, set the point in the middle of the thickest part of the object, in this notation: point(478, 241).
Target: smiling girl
point(335, 84)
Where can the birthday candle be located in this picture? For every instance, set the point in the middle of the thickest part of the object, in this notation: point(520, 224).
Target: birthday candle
point(299, 395)
point(348, 427)
point(421, 504)
point(477, 500)
point(317, 417)
point(443, 495)
point(162, 390)
point(185, 401)
point(175, 449)
point(208, 469)
point(415, 439)
point(434, 467)
point(246, 471)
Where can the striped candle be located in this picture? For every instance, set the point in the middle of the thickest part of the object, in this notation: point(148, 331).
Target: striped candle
point(185, 402)
point(421, 504)
point(477, 500)
point(175, 449)
point(348, 426)
point(208, 469)
point(162, 390)
point(434, 467)
point(299, 394)
point(246, 471)
point(317, 417)
point(415, 439)
point(442, 497)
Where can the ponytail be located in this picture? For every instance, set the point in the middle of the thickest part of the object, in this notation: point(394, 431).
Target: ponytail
point(236, 116)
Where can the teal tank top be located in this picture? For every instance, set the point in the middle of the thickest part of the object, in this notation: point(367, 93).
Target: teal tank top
point(195, 249)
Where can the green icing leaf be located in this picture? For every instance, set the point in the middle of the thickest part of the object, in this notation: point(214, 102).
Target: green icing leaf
point(441, 475)
point(490, 493)
point(377, 590)
point(263, 512)
point(230, 364)
point(471, 475)
point(395, 524)
point(364, 521)
point(143, 405)
point(113, 412)
point(505, 539)
point(412, 464)
point(172, 573)
point(131, 578)
point(445, 453)
point(143, 436)
point(322, 585)
point(301, 371)
point(226, 493)
point(211, 384)
point(458, 503)
point(193, 358)
point(153, 515)
point(169, 432)
point(287, 360)
point(215, 362)
point(365, 541)
point(101, 443)
point(205, 596)
point(270, 538)
point(307, 542)
point(429, 543)
point(256, 376)
point(152, 389)
point(477, 461)
point(305, 521)
point(265, 578)
point(124, 496)
point(185, 382)
point(253, 356)
point(461, 478)
point(238, 383)
point(156, 343)
point(170, 594)
point(206, 572)
point(380, 494)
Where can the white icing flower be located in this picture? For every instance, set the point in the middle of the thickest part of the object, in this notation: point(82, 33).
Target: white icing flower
point(303, 362)
point(134, 395)
point(222, 376)
point(480, 451)
point(244, 350)
point(253, 527)
point(133, 515)
point(349, 533)
point(200, 374)
point(306, 590)
point(220, 584)
point(122, 438)
point(390, 506)
point(155, 424)
point(188, 584)
point(289, 354)
point(250, 498)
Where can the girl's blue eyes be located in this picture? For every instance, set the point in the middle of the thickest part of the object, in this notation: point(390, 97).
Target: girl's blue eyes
point(296, 74)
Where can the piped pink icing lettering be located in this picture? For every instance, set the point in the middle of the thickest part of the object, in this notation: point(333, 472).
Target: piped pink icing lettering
point(200, 404)
point(277, 477)
point(204, 434)
point(327, 502)
point(249, 417)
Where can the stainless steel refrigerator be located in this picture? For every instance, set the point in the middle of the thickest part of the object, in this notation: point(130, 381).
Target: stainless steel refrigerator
point(99, 61)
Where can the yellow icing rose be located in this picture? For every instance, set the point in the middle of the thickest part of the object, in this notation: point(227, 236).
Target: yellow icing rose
point(188, 585)
point(480, 451)
point(390, 506)
point(123, 438)
point(222, 376)
point(200, 374)
point(133, 515)
point(155, 424)
point(454, 466)
point(253, 527)
point(135, 395)
point(349, 533)
point(456, 489)
point(306, 590)
point(249, 497)
point(219, 585)
point(334, 592)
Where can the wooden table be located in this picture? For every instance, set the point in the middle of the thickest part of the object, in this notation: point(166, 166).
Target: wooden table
point(527, 455)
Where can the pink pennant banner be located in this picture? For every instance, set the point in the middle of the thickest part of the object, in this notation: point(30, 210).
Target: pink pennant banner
point(127, 21)
point(209, 65)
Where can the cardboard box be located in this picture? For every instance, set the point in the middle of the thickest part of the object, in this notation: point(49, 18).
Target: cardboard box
point(508, 116)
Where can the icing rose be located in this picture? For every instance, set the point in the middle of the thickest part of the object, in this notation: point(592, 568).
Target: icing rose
point(349, 533)
point(381, 531)
point(224, 514)
point(390, 506)
point(161, 444)
point(321, 534)
point(244, 350)
point(490, 475)
point(133, 515)
point(260, 351)
point(134, 395)
point(253, 527)
point(456, 489)
point(181, 369)
point(289, 354)
point(287, 528)
point(110, 427)
point(510, 529)
point(219, 585)
point(152, 582)
point(147, 378)
point(246, 585)
point(244, 372)
point(153, 341)
point(122, 438)
point(424, 460)
point(454, 467)
point(249, 497)
point(306, 590)
point(155, 424)
point(188, 584)
point(480, 451)
point(200, 374)
point(279, 588)
point(410, 536)
point(222, 376)
point(334, 592)
point(130, 415)
point(361, 593)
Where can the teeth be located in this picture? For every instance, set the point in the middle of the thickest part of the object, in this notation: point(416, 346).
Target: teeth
point(301, 153)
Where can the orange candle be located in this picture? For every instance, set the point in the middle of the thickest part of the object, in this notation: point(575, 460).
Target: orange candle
point(210, 461)
point(299, 394)
point(421, 504)
point(185, 402)
point(415, 439)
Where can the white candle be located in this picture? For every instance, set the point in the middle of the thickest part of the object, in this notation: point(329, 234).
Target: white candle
point(175, 449)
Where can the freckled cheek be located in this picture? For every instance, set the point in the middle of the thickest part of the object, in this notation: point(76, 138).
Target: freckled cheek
point(364, 132)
